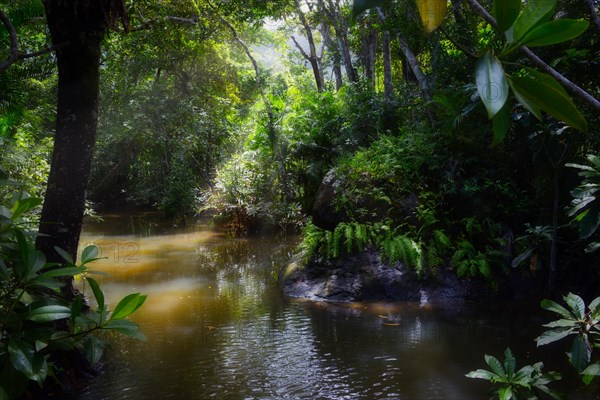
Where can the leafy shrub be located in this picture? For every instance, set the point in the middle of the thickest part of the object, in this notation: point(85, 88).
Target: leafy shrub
point(525, 383)
point(36, 322)
point(585, 206)
point(581, 322)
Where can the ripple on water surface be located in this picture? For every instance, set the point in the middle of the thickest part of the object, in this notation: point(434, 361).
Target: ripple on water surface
point(218, 328)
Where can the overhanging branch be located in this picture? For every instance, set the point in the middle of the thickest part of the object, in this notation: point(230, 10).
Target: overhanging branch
point(14, 43)
point(538, 62)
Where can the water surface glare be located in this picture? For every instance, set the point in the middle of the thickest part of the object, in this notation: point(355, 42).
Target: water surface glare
point(218, 327)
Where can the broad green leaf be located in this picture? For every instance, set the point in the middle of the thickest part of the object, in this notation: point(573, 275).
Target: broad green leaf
point(66, 256)
point(593, 369)
point(360, 6)
point(24, 296)
point(589, 223)
point(505, 393)
point(89, 254)
point(495, 365)
point(21, 357)
point(21, 206)
point(506, 12)
point(526, 102)
point(128, 305)
point(553, 32)
point(127, 328)
point(3, 394)
point(48, 313)
point(35, 262)
point(93, 348)
point(547, 97)
point(521, 257)
point(595, 309)
point(501, 123)
point(66, 271)
point(592, 247)
point(553, 336)
point(534, 12)
point(39, 345)
point(562, 323)
point(591, 372)
point(581, 352)
point(481, 374)
point(491, 83)
point(40, 368)
point(98, 294)
point(577, 305)
point(556, 308)
point(510, 363)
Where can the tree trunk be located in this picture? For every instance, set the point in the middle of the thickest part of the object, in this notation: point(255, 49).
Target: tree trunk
point(335, 54)
point(312, 56)
point(388, 83)
point(369, 48)
point(82, 25)
point(341, 32)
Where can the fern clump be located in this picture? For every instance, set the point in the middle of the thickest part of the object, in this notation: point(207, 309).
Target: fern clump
point(348, 237)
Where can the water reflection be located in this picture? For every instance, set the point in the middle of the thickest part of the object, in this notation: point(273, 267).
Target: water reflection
point(218, 328)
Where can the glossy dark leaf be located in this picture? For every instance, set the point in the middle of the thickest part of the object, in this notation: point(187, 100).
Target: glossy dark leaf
point(556, 308)
point(48, 313)
point(128, 305)
point(534, 12)
point(491, 83)
point(65, 256)
point(550, 99)
point(552, 336)
point(506, 12)
point(93, 349)
point(98, 294)
point(553, 32)
point(576, 304)
point(581, 352)
point(589, 223)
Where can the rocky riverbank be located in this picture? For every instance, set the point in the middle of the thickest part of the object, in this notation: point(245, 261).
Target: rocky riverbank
point(364, 277)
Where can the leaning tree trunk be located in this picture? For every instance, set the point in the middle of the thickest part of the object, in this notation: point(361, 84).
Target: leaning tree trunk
point(80, 24)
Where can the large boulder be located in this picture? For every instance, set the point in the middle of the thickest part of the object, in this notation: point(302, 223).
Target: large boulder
point(364, 277)
point(324, 214)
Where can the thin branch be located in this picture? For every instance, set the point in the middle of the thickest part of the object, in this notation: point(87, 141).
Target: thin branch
point(48, 49)
point(182, 21)
point(14, 43)
point(593, 13)
point(458, 45)
point(538, 62)
point(304, 54)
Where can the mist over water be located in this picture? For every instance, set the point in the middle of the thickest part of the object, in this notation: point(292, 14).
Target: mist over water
point(218, 327)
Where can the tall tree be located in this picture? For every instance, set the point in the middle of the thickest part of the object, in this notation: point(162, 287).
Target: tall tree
point(78, 26)
point(312, 57)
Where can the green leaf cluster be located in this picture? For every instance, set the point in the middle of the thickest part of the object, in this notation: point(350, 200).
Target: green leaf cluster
point(585, 206)
point(528, 25)
point(526, 383)
point(580, 322)
point(36, 322)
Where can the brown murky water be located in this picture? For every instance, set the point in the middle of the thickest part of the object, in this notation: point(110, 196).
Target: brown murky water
point(218, 327)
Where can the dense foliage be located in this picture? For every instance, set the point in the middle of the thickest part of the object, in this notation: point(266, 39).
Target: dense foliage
point(422, 130)
point(38, 324)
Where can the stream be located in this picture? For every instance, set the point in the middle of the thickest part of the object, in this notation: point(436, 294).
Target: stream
point(218, 326)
